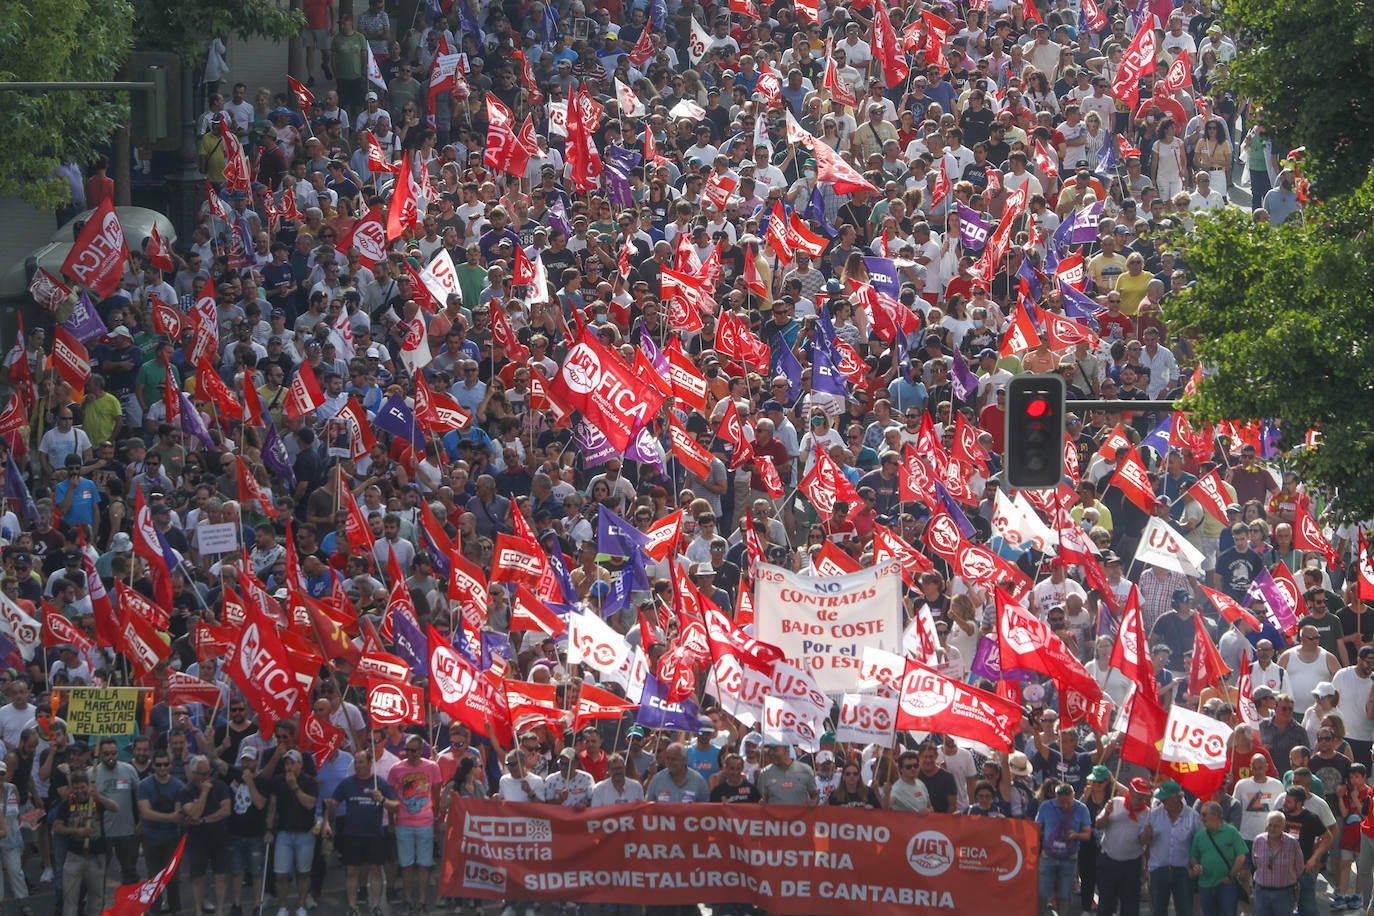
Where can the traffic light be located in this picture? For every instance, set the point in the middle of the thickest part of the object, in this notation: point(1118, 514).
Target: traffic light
point(1035, 432)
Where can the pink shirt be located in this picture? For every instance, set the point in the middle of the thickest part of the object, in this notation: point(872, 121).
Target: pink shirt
point(415, 785)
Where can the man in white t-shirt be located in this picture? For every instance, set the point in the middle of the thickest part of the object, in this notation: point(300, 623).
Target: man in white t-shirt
point(1257, 794)
point(519, 785)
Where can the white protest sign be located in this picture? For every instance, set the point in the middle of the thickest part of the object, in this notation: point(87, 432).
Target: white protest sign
point(867, 719)
point(217, 539)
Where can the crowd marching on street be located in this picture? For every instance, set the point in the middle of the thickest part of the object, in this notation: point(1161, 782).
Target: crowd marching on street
point(522, 350)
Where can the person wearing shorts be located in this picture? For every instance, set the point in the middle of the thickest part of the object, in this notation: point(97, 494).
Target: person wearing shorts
point(416, 781)
point(295, 792)
point(317, 36)
point(205, 805)
point(356, 822)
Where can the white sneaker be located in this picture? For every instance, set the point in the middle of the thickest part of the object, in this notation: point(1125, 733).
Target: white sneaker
point(46, 877)
point(310, 902)
point(509, 910)
point(302, 911)
point(283, 912)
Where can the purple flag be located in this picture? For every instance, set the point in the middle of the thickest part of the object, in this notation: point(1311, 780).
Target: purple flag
point(631, 578)
point(987, 663)
point(815, 211)
point(973, 229)
point(192, 424)
point(411, 644)
point(954, 510)
point(651, 351)
point(964, 382)
point(561, 575)
point(618, 185)
point(84, 322)
point(274, 456)
point(558, 217)
point(627, 159)
point(882, 273)
point(494, 644)
point(616, 537)
point(593, 446)
point(1077, 305)
point(1263, 587)
point(825, 377)
point(16, 488)
point(789, 366)
point(646, 450)
point(656, 712)
point(396, 417)
point(1158, 439)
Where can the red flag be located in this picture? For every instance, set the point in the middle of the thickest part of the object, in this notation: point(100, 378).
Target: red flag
point(134, 602)
point(839, 92)
point(97, 259)
point(210, 387)
point(887, 545)
point(304, 97)
point(1022, 336)
point(1139, 60)
point(368, 235)
point(250, 489)
point(1206, 666)
point(1026, 642)
point(376, 161)
point(1130, 651)
point(389, 703)
point(304, 396)
point(148, 545)
point(529, 613)
point(643, 50)
point(689, 385)
point(941, 188)
point(157, 253)
point(1097, 20)
point(58, 630)
point(931, 702)
point(886, 52)
point(437, 413)
point(596, 381)
point(1307, 536)
point(594, 703)
point(71, 358)
point(500, 133)
point(403, 212)
point(1366, 570)
point(1180, 75)
point(731, 429)
point(830, 167)
point(825, 484)
point(1132, 480)
point(472, 697)
point(183, 688)
point(360, 537)
point(141, 643)
point(1211, 495)
point(321, 737)
point(695, 459)
point(1030, 13)
point(1230, 610)
point(1065, 332)
point(1145, 721)
point(769, 476)
point(262, 669)
point(137, 899)
point(832, 561)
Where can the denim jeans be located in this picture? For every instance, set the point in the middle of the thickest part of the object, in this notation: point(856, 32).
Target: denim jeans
point(1167, 881)
point(1218, 901)
point(1307, 894)
point(1056, 879)
point(1274, 902)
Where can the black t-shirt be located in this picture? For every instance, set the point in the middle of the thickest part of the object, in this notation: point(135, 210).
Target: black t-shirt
point(74, 814)
point(212, 832)
point(1307, 827)
point(944, 791)
point(245, 818)
point(744, 792)
point(1352, 623)
point(1237, 569)
point(292, 816)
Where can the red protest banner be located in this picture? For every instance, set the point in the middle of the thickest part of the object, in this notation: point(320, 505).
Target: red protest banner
point(784, 857)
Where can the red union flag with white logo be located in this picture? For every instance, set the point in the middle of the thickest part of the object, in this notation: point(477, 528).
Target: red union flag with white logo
point(368, 235)
point(97, 259)
point(1139, 60)
point(1132, 480)
point(262, 669)
point(472, 697)
point(1194, 750)
point(389, 703)
point(137, 899)
point(825, 484)
point(931, 702)
point(71, 358)
point(596, 381)
point(47, 290)
point(321, 736)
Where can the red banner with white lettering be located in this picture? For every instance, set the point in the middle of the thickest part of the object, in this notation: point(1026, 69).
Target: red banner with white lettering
point(784, 857)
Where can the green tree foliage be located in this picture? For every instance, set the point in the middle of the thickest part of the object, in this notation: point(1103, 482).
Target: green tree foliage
point(1310, 68)
point(186, 26)
point(58, 40)
point(1283, 319)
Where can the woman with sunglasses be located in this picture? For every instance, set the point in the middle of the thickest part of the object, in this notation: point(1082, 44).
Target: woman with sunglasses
point(851, 792)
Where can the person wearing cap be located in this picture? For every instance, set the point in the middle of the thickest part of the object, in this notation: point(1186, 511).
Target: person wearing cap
point(291, 834)
point(1064, 824)
point(417, 782)
point(571, 786)
point(1168, 835)
point(1217, 861)
point(703, 755)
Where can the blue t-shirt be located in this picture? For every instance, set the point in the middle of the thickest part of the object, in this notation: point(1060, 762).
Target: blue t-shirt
point(706, 762)
point(364, 813)
point(1057, 824)
point(84, 501)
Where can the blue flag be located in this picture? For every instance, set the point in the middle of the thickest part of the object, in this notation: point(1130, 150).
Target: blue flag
point(411, 645)
point(656, 712)
point(1158, 439)
point(561, 576)
point(396, 417)
point(616, 537)
point(631, 578)
point(16, 488)
point(275, 457)
point(1027, 272)
point(882, 273)
point(825, 378)
point(789, 366)
point(658, 14)
point(1106, 157)
point(815, 211)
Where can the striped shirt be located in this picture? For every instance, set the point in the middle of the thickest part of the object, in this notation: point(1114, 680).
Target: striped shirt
point(1278, 863)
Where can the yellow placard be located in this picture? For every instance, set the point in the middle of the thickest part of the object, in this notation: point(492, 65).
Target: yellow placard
point(103, 711)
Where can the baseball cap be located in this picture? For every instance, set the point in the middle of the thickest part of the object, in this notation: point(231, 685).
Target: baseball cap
point(372, 97)
point(825, 757)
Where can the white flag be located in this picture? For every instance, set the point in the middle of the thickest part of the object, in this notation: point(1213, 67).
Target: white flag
point(630, 105)
point(1163, 546)
point(440, 277)
point(687, 109)
point(867, 719)
point(1018, 524)
point(593, 643)
point(374, 72)
point(415, 351)
point(791, 722)
point(699, 42)
point(1193, 738)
